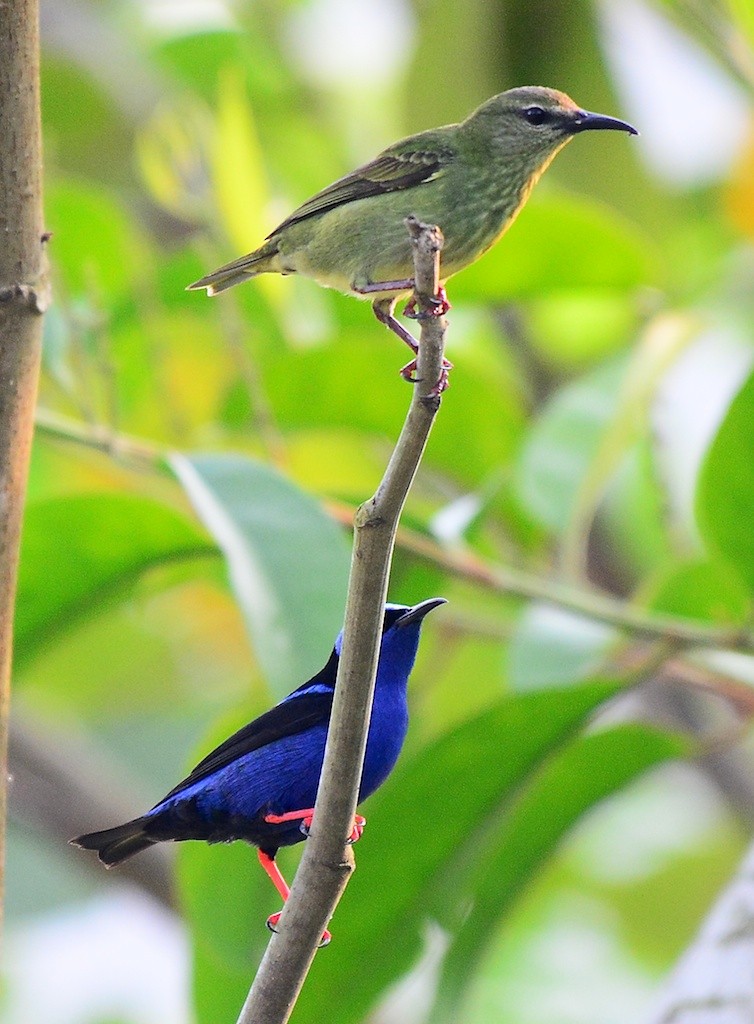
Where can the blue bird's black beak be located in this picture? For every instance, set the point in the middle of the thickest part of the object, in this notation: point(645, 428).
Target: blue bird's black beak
point(417, 613)
point(585, 121)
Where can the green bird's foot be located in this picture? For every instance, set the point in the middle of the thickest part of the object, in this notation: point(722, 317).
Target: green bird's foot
point(408, 372)
point(439, 306)
point(383, 310)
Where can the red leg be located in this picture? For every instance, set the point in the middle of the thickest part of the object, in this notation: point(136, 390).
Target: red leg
point(269, 865)
point(276, 877)
point(383, 310)
point(307, 816)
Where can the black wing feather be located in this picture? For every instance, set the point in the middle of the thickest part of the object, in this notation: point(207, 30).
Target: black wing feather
point(391, 171)
point(285, 719)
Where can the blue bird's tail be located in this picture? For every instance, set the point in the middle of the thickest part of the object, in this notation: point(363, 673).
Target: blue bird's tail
point(116, 844)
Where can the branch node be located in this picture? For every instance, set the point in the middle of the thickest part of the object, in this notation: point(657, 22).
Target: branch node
point(26, 295)
point(431, 402)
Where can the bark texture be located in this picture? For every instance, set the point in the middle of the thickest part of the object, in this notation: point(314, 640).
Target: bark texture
point(23, 298)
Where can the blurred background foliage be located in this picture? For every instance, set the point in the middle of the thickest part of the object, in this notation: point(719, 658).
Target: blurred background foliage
point(585, 504)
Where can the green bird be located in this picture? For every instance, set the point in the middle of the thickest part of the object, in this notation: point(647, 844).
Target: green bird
point(471, 179)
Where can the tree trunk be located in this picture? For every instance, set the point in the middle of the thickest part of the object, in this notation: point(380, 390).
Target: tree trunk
point(23, 297)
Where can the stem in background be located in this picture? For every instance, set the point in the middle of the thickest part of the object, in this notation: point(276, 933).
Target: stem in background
point(325, 869)
point(23, 297)
point(463, 563)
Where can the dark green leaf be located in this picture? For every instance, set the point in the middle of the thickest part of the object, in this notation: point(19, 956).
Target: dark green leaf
point(81, 552)
point(578, 777)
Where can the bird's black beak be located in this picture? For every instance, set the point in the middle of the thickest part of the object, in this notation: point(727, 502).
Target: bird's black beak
point(584, 121)
point(417, 613)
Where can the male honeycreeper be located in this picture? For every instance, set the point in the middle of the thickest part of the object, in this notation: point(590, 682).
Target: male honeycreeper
point(471, 179)
point(260, 785)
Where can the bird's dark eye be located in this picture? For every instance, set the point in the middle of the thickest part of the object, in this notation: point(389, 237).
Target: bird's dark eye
point(536, 115)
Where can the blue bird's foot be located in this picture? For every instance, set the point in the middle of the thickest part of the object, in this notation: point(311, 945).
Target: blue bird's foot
point(272, 922)
point(268, 863)
point(357, 831)
point(306, 818)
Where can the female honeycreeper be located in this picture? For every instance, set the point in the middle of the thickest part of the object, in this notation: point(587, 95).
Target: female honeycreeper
point(471, 179)
point(260, 785)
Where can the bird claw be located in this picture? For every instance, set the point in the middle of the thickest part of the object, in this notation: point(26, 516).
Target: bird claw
point(357, 831)
point(273, 920)
point(438, 304)
point(408, 372)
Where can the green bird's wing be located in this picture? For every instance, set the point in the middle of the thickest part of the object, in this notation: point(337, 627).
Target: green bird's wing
point(400, 167)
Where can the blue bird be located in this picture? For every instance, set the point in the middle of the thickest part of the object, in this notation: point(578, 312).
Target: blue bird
point(260, 785)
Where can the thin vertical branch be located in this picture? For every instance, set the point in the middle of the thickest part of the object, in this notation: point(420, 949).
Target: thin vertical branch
point(327, 864)
point(23, 297)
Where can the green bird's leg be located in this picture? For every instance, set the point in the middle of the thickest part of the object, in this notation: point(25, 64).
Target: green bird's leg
point(383, 310)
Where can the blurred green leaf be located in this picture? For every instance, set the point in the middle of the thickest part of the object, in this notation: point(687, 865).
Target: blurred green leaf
point(56, 344)
point(726, 485)
point(643, 540)
point(287, 560)
point(566, 787)
point(742, 15)
point(706, 590)
point(352, 383)
point(218, 988)
point(563, 442)
point(78, 115)
point(578, 327)
point(198, 59)
point(238, 168)
point(560, 242)
point(82, 552)
point(551, 647)
point(451, 789)
point(96, 247)
point(172, 155)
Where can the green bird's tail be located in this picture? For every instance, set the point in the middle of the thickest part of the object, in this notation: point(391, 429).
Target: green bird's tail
point(261, 261)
